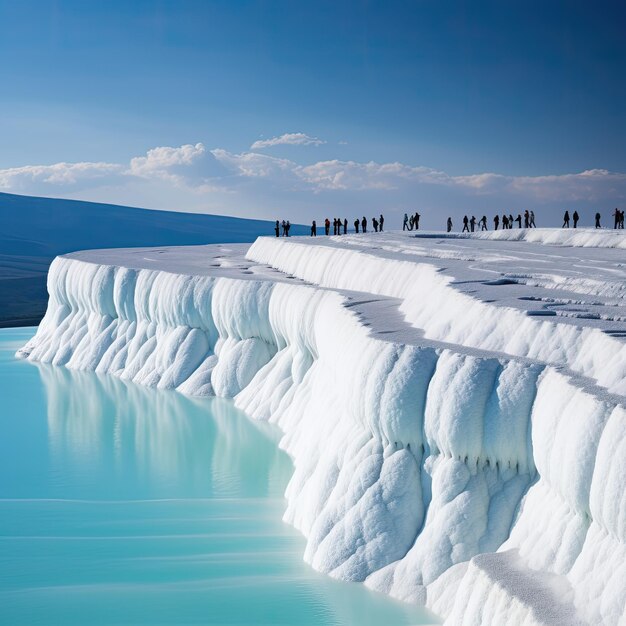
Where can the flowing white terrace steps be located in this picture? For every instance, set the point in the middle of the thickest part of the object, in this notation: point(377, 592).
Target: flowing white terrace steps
point(449, 447)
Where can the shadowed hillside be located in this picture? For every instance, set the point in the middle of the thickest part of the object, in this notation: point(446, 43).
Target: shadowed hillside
point(35, 230)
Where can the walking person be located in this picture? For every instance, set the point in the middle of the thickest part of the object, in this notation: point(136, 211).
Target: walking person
point(565, 220)
point(405, 223)
point(483, 222)
point(496, 222)
point(518, 219)
point(465, 226)
point(381, 221)
point(531, 223)
point(449, 224)
point(313, 229)
point(576, 218)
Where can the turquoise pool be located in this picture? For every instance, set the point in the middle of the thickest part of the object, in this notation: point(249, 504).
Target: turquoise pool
point(125, 505)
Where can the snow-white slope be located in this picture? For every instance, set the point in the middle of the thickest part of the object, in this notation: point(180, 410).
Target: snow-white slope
point(454, 408)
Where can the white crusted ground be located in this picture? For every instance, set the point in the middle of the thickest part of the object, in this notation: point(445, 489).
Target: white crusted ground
point(454, 406)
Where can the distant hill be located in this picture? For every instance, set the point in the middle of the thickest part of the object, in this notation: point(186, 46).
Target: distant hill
point(35, 230)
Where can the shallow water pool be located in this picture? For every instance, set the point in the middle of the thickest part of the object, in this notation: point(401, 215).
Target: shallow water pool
point(125, 505)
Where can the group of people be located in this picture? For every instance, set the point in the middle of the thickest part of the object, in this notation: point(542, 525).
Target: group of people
point(409, 223)
point(284, 228)
point(617, 215)
point(340, 227)
point(472, 224)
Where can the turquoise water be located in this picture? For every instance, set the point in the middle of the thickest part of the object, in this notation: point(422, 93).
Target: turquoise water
point(125, 505)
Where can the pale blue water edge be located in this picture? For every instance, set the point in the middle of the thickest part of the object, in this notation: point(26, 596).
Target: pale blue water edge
point(125, 505)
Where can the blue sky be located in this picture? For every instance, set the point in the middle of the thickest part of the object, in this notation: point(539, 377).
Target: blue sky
point(441, 106)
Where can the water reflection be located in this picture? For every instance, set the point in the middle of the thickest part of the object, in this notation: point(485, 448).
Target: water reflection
point(172, 445)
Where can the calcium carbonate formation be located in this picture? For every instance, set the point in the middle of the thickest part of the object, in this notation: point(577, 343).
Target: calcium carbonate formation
point(454, 407)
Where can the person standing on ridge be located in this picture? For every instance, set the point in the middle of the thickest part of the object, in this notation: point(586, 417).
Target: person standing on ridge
point(327, 226)
point(364, 224)
point(598, 220)
point(616, 215)
point(465, 226)
point(473, 223)
point(505, 222)
point(416, 220)
point(483, 223)
point(284, 225)
point(449, 224)
point(531, 223)
point(375, 224)
point(277, 228)
point(518, 219)
point(381, 221)
point(565, 220)
point(496, 221)
point(313, 229)
point(405, 223)
point(526, 219)
point(356, 225)
point(576, 217)
point(334, 225)
point(345, 226)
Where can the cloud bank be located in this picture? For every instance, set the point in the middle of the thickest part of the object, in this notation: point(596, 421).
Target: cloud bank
point(250, 183)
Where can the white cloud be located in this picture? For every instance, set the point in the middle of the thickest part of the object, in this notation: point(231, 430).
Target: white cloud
point(288, 139)
point(59, 174)
point(189, 177)
point(159, 162)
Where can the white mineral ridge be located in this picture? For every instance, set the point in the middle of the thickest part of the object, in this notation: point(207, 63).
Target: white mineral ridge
point(454, 406)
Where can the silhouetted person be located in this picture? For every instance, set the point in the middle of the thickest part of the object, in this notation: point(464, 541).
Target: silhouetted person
point(381, 221)
point(505, 222)
point(621, 219)
point(473, 223)
point(483, 222)
point(416, 220)
point(575, 218)
point(405, 223)
point(531, 222)
point(511, 220)
point(356, 225)
point(449, 224)
point(565, 220)
point(375, 224)
point(334, 225)
point(284, 225)
point(518, 219)
point(364, 224)
point(496, 222)
point(465, 226)
point(616, 215)
point(345, 226)
point(313, 229)
point(327, 226)
point(287, 227)
point(277, 228)
point(526, 219)
point(598, 220)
